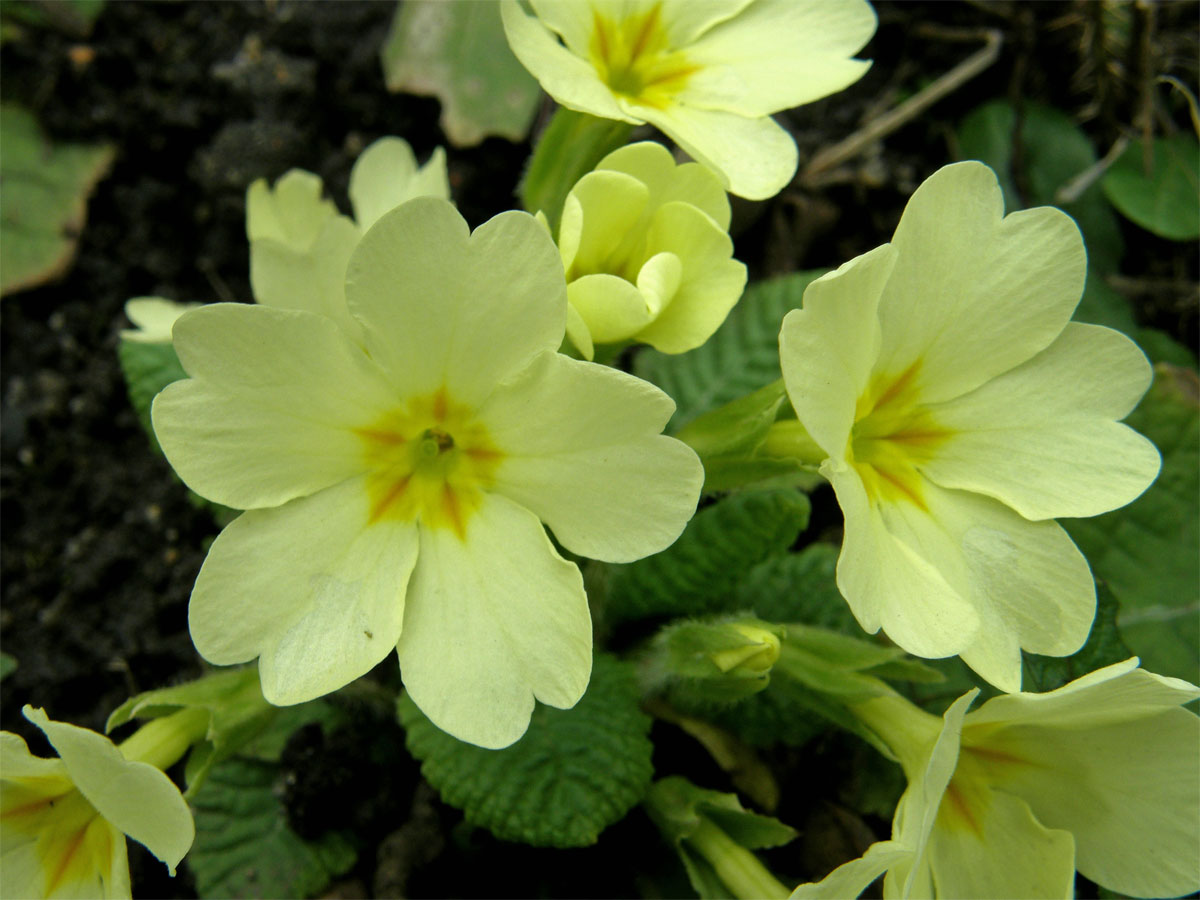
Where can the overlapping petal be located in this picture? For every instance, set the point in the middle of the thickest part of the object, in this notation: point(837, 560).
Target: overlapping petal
point(1043, 437)
point(454, 309)
point(309, 588)
point(652, 165)
point(292, 213)
point(593, 465)
point(387, 174)
point(493, 622)
point(268, 412)
point(974, 292)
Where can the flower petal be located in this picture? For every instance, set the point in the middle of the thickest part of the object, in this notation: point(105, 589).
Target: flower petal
point(494, 621)
point(592, 465)
point(613, 309)
point(1012, 855)
point(444, 308)
point(135, 797)
point(1028, 582)
point(293, 213)
point(852, 878)
point(1117, 763)
point(653, 165)
point(902, 573)
point(711, 284)
point(1042, 437)
point(386, 174)
point(973, 295)
point(312, 279)
point(267, 413)
point(828, 348)
point(611, 205)
point(564, 76)
point(776, 54)
point(753, 157)
point(310, 587)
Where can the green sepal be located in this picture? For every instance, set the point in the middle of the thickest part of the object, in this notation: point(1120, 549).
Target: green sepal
point(687, 816)
point(575, 772)
point(570, 147)
point(235, 705)
point(693, 663)
point(700, 571)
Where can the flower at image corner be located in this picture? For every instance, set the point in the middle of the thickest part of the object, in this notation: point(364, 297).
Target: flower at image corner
point(395, 491)
point(63, 821)
point(962, 412)
point(707, 74)
point(647, 253)
point(1101, 775)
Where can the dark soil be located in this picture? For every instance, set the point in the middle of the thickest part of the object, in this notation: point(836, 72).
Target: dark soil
point(100, 542)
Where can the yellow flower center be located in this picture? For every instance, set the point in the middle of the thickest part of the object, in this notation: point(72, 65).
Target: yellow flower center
point(633, 57)
point(73, 841)
point(892, 435)
point(428, 461)
point(980, 769)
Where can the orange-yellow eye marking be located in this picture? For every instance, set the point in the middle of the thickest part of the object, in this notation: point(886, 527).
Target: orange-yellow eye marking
point(892, 435)
point(633, 57)
point(429, 461)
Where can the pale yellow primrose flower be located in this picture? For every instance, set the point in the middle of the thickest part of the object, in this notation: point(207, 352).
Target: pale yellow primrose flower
point(394, 489)
point(63, 821)
point(300, 244)
point(647, 253)
point(707, 73)
point(1102, 775)
point(962, 412)
point(153, 318)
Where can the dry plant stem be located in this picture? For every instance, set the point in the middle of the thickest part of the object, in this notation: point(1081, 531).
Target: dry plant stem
point(912, 107)
point(1071, 191)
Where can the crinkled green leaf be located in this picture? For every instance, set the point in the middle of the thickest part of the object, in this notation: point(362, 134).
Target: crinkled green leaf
point(244, 847)
point(1161, 194)
point(798, 587)
point(1101, 305)
point(1146, 552)
point(575, 772)
point(701, 570)
point(1102, 648)
point(458, 53)
point(44, 202)
point(1053, 150)
point(742, 356)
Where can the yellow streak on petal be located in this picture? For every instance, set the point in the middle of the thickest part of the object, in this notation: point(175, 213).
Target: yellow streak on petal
point(893, 434)
point(428, 461)
point(632, 56)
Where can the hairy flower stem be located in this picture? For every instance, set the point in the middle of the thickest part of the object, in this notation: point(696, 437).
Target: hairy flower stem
point(739, 869)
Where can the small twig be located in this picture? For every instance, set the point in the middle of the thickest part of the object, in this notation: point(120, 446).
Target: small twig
point(1071, 191)
point(910, 108)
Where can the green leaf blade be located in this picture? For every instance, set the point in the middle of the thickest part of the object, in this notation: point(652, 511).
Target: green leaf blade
point(1163, 198)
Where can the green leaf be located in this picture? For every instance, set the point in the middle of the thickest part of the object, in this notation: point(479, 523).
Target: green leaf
point(1101, 305)
point(702, 569)
point(1146, 552)
point(1163, 196)
point(148, 368)
point(458, 53)
point(44, 202)
point(8, 665)
point(798, 587)
point(741, 357)
point(244, 847)
point(1102, 648)
point(1053, 150)
point(574, 773)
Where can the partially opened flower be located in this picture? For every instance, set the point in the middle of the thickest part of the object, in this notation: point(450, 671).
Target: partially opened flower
point(708, 74)
point(394, 488)
point(63, 821)
point(300, 244)
point(1101, 775)
point(647, 253)
point(961, 412)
